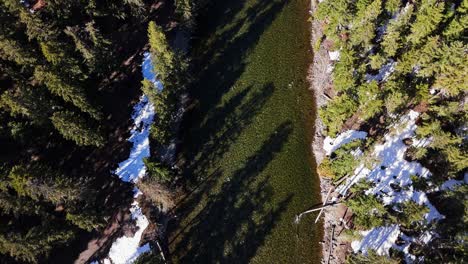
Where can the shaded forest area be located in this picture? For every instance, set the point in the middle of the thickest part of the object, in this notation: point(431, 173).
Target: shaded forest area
point(69, 74)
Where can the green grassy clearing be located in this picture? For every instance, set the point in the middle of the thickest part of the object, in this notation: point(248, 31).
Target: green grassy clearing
point(247, 140)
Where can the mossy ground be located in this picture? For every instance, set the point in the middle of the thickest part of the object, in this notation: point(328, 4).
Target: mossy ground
point(247, 140)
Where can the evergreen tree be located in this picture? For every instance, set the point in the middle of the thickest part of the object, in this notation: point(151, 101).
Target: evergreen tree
point(458, 26)
point(368, 211)
point(68, 92)
point(57, 54)
point(411, 213)
point(76, 128)
point(392, 6)
point(12, 50)
point(43, 183)
point(337, 15)
point(394, 37)
point(370, 104)
point(27, 101)
point(429, 15)
point(36, 243)
point(344, 77)
point(336, 112)
point(364, 23)
point(163, 57)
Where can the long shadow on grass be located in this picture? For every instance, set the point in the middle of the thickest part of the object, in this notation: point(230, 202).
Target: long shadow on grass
point(225, 124)
point(221, 61)
point(239, 215)
point(229, 121)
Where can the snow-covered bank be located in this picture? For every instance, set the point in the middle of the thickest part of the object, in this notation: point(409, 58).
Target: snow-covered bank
point(126, 249)
point(390, 169)
point(332, 144)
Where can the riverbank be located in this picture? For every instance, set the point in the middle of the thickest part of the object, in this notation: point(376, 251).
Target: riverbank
point(334, 249)
point(246, 139)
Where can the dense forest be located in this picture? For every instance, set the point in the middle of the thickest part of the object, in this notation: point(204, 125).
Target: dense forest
point(69, 72)
point(397, 59)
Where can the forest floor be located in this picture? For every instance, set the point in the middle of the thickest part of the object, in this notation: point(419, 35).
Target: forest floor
point(246, 139)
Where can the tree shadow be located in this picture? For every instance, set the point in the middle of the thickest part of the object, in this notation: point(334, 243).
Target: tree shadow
point(238, 215)
point(218, 64)
point(223, 126)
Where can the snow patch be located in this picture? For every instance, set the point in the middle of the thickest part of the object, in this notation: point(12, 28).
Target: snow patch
point(451, 184)
point(133, 168)
point(380, 239)
point(126, 249)
point(332, 144)
point(334, 55)
point(383, 74)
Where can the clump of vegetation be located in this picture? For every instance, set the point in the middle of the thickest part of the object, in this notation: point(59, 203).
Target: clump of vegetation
point(368, 211)
point(370, 258)
point(341, 162)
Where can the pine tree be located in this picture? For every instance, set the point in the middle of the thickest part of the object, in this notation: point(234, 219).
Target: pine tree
point(343, 72)
point(392, 6)
point(368, 211)
point(43, 183)
point(57, 54)
point(76, 128)
point(163, 57)
point(27, 101)
point(370, 103)
point(411, 213)
point(12, 50)
point(36, 243)
point(394, 37)
point(185, 9)
point(364, 24)
point(429, 15)
point(337, 15)
point(335, 113)
point(457, 27)
point(68, 92)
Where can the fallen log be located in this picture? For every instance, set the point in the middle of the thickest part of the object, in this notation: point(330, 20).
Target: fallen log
point(324, 202)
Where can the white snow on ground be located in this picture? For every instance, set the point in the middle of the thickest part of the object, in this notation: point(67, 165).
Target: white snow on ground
point(133, 168)
point(126, 249)
point(392, 169)
point(148, 73)
point(143, 113)
point(426, 237)
point(383, 74)
point(334, 55)
point(450, 184)
point(380, 239)
point(332, 144)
